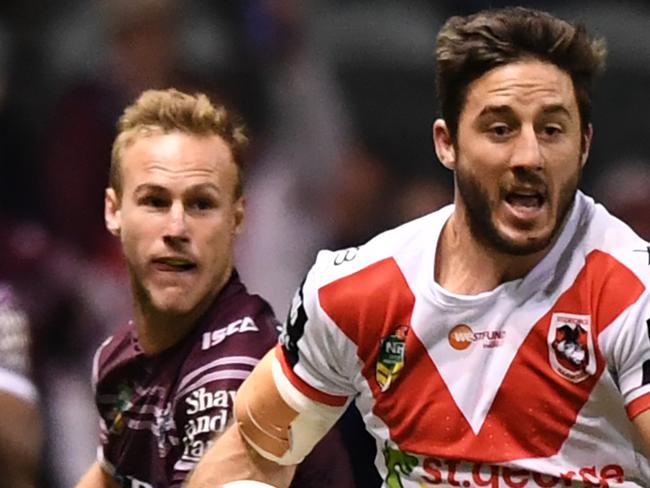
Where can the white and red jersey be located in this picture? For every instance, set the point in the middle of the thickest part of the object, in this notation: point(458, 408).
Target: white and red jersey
point(532, 384)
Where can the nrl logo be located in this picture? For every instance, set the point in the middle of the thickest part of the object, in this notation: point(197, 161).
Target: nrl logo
point(571, 349)
point(391, 357)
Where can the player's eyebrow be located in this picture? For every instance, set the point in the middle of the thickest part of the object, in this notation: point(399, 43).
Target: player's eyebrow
point(490, 113)
point(152, 187)
point(556, 108)
point(149, 187)
point(496, 110)
point(506, 110)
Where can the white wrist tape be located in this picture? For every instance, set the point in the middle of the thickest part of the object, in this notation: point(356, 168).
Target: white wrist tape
point(314, 419)
point(277, 420)
point(246, 484)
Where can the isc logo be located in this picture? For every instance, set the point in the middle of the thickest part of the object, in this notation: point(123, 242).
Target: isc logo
point(217, 336)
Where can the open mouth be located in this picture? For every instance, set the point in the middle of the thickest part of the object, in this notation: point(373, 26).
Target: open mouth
point(174, 264)
point(526, 204)
point(531, 200)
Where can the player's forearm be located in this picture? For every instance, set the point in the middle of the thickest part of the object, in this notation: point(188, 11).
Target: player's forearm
point(95, 477)
point(231, 459)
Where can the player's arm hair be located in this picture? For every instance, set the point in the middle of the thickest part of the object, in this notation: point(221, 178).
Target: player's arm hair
point(96, 477)
point(21, 440)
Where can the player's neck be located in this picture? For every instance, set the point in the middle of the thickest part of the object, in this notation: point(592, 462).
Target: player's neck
point(156, 333)
point(158, 330)
point(467, 267)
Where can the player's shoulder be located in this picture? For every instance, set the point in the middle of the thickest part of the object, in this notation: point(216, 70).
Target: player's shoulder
point(619, 243)
point(240, 324)
point(117, 349)
point(410, 239)
point(220, 353)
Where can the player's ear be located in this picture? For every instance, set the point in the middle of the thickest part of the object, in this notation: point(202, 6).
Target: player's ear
point(112, 214)
point(239, 213)
point(586, 143)
point(444, 145)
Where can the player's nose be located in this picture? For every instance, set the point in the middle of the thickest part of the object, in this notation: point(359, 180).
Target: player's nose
point(176, 225)
point(527, 150)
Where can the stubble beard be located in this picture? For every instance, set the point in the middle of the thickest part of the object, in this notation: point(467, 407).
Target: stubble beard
point(145, 302)
point(478, 212)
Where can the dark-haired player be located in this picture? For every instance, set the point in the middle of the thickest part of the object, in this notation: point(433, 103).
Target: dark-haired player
point(501, 341)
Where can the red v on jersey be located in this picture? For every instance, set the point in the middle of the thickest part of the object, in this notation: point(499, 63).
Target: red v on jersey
point(534, 408)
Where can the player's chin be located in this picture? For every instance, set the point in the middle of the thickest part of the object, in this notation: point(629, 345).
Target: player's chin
point(174, 302)
point(525, 242)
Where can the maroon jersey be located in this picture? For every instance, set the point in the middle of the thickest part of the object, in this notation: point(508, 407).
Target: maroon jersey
point(159, 412)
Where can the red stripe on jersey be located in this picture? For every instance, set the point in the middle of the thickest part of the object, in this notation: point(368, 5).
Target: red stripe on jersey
point(534, 409)
point(304, 388)
point(369, 305)
point(638, 405)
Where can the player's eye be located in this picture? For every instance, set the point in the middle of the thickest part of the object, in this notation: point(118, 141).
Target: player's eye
point(552, 130)
point(152, 201)
point(500, 130)
point(202, 204)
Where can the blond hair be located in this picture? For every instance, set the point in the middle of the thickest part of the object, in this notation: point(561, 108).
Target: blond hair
point(164, 111)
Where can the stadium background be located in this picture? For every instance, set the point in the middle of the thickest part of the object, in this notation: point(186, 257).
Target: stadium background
point(339, 97)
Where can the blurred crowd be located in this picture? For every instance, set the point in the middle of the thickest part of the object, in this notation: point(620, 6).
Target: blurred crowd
point(339, 99)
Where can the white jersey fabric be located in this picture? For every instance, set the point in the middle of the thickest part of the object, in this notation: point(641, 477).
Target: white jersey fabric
point(532, 384)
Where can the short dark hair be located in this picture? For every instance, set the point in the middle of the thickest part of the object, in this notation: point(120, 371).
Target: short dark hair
point(468, 47)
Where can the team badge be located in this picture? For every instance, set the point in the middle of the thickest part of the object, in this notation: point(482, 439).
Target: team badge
point(123, 403)
point(391, 357)
point(571, 349)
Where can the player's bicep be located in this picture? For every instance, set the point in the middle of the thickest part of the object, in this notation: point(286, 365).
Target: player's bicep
point(276, 419)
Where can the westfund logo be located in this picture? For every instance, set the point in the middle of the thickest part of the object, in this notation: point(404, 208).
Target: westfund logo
point(462, 336)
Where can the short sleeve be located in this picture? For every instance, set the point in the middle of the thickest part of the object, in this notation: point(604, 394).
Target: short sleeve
point(315, 355)
point(630, 353)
